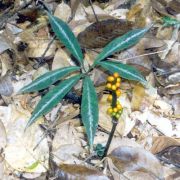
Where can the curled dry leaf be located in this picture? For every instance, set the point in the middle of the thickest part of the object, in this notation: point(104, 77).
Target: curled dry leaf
point(73, 171)
point(127, 158)
point(99, 34)
point(163, 142)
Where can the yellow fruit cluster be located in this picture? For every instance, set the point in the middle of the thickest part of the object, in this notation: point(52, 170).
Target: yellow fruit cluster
point(113, 84)
point(116, 111)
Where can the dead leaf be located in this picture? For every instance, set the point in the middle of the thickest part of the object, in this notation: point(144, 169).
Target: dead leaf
point(137, 97)
point(73, 171)
point(100, 33)
point(163, 142)
point(6, 87)
point(19, 151)
point(136, 159)
point(63, 11)
point(4, 44)
point(134, 11)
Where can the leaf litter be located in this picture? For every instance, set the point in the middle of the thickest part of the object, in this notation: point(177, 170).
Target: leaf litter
point(146, 142)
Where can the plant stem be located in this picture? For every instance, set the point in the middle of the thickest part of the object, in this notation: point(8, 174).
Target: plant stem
point(115, 122)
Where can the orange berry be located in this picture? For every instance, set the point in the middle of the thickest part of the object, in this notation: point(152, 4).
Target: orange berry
point(110, 78)
point(113, 87)
point(109, 98)
point(116, 75)
point(115, 110)
point(119, 107)
point(118, 84)
point(108, 85)
point(118, 92)
point(110, 110)
point(118, 80)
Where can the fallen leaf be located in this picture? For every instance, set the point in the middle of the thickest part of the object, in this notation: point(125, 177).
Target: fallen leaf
point(163, 142)
point(63, 11)
point(137, 96)
point(100, 33)
point(73, 171)
point(127, 158)
point(19, 151)
point(6, 87)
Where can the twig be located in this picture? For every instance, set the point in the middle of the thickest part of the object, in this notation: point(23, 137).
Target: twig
point(41, 59)
point(90, 2)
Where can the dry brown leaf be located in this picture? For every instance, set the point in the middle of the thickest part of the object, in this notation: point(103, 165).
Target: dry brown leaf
point(61, 59)
point(98, 34)
point(6, 87)
point(79, 172)
point(127, 158)
point(137, 97)
point(163, 142)
point(63, 11)
point(66, 145)
point(134, 11)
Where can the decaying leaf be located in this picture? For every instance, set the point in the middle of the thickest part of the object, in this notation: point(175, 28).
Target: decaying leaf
point(99, 34)
point(137, 97)
point(19, 151)
point(163, 142)
point(73, 171)
point(6, 87)
point(127, 158)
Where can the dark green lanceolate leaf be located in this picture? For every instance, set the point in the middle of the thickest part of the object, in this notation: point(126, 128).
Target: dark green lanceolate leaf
point(89, 109)
point(66, 36)
point(52, 98)
point(48, 78)
point(127, 40)
point(125, 71)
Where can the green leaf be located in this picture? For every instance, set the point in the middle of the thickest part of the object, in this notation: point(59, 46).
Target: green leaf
point(89, 109)
point(125, 71)
point(52, 98)
point(66, 36)
point(168, 21)
point(48, 78)
point(127, 40)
